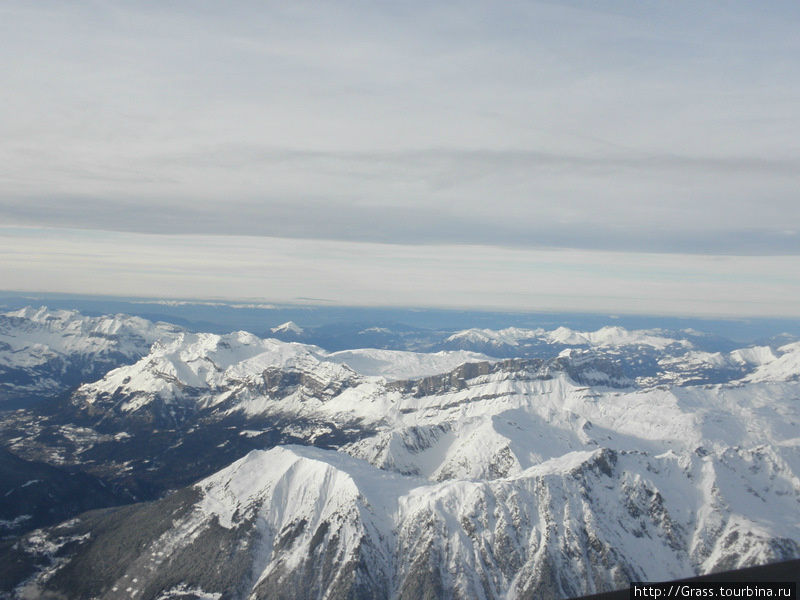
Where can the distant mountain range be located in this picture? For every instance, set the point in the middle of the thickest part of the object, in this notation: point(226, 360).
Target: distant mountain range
point(476, 463)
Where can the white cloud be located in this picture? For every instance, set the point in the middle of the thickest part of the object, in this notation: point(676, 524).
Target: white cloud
point(472, 136)
point(351, 273)
point(609, 124)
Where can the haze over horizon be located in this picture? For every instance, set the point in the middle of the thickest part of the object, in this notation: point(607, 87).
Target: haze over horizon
point(636, 157)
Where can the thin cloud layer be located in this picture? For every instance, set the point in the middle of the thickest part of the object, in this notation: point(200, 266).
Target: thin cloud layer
point(628, 126)
point(358, 273)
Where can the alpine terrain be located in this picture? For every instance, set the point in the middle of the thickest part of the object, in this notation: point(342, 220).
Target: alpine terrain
point(142, 460)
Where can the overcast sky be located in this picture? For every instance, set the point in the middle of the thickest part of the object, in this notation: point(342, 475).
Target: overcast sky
point(615, 133)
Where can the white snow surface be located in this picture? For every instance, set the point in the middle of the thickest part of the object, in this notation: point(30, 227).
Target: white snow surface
point(216, 363)
point(604, 337)
point(398, 364)
point(289, 326)
point(756, 355)
point(35, 335)
point(661, 516)
point(504, 477)
point(784, 367)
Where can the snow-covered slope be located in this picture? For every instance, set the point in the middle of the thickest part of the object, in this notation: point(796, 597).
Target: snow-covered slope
point(480, 419)
point(288, 327)
point(516, 414)
point(604, 337)
point(44, 352)
point(459, 476)
point(300, 522)
point(398, 364)
point(241, 372)
point(557, 398)
point(653, 357)
point(206, 362)
point(785, 366)
point(755, 363)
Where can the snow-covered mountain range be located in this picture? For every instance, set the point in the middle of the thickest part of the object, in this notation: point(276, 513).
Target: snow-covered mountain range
point(604, 337)
point(619, 456)
point(44, 353)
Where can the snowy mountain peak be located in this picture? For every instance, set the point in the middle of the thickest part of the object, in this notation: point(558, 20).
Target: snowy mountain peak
point(604, 337)
point(755, 355)
point(288, 327)
point(205, 365)
point(42, 314)
point(71, 322)
point(783, 367)
point(298, 522)
point(45, 352)
point(510, 336)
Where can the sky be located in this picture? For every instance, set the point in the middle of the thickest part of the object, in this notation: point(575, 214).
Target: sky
point(597, 156)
